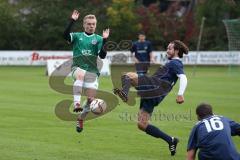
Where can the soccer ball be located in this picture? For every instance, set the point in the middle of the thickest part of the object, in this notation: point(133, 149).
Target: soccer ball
point(98, 106)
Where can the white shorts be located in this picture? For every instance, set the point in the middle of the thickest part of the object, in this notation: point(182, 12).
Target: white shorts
point(90, 79)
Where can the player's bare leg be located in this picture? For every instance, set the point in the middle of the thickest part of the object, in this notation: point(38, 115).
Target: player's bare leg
point(143, 120)
point(143, 124)
point(129, 79)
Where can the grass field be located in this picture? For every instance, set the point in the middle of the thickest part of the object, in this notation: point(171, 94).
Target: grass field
point(30, 130)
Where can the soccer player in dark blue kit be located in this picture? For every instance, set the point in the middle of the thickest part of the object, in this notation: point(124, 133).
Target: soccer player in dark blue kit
point(154, 88)
point(212, 136)
point(141, 52)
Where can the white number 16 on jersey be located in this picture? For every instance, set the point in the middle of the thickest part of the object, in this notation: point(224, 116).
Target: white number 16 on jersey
point(214, 123)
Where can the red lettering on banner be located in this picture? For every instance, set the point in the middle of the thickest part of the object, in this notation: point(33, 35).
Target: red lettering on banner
point(37, 57)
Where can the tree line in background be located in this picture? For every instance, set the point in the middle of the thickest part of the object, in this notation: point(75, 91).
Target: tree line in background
point(39, 25)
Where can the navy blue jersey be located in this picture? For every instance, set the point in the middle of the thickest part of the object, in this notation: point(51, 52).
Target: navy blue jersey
point(153, 89)
point(142, 50)
point(170, 71)
point(212, 136)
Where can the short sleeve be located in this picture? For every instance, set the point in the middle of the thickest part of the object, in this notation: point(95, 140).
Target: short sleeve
point(133, 48)
point(177, 68)
point(73, 36)
point(235, 127)
point(149, 47)
point(192, 141)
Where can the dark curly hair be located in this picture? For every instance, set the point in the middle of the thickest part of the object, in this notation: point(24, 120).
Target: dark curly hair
point(181, 47)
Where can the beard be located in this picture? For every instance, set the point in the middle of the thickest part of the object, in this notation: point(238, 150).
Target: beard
point(169, 57)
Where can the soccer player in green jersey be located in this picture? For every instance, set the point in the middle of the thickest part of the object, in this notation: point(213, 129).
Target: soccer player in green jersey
point(87, 47)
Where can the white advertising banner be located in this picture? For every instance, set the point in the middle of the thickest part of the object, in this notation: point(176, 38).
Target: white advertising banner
point(41, 57)
point(31, 57)
point(54, 65)
point(204, 58)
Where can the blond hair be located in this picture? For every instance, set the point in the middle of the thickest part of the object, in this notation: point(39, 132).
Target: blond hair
point(89, 16)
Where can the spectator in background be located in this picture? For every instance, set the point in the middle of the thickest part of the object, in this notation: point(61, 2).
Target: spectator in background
point(141, 53)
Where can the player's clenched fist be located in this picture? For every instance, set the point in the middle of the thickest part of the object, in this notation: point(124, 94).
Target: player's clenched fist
point(180, 99)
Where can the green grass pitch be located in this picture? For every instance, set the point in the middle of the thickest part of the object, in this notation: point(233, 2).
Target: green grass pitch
point(30, 130)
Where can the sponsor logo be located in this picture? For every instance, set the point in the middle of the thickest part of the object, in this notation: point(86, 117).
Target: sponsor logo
point(86, 52)
point(37, 57)
point(94, 41)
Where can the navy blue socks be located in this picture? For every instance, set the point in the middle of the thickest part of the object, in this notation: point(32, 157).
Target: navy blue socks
point(155, 132)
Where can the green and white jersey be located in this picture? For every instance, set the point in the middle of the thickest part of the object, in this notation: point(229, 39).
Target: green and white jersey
point(85, 50)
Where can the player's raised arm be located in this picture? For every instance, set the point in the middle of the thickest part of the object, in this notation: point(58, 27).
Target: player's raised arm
point(105, 36)
point(74, 17)
point(182, 88)
point(106, 33)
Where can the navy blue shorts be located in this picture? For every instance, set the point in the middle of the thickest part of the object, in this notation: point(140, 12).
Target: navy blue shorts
point(152, 91)
point(151, 87)
point(149, 104)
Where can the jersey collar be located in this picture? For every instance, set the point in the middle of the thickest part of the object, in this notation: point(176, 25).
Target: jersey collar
point(176, 58)
point(88, 35)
